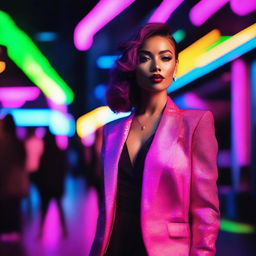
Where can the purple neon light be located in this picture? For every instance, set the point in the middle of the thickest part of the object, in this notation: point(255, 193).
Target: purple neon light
point(241, 112)
point(204, 10)
point(165, 10)
point(98, 17)
point(15, 97)
point(243, 7)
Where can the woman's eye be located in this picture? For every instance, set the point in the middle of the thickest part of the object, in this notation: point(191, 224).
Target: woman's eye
point(166, 58)
point(143, 59)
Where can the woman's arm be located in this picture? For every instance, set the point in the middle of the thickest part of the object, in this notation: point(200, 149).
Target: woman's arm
point(204, 205)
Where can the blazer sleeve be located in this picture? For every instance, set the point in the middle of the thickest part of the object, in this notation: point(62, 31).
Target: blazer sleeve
point(204, 202)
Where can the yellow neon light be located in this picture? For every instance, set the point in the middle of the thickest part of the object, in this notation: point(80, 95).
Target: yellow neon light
point(188, 56)
point(2, 66)
point(227, 46)
point(90, 122)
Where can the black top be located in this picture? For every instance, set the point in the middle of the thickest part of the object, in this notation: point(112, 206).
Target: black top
point(126, 238)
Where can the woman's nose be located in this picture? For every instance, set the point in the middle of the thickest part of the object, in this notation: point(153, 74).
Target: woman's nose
point(155, 67)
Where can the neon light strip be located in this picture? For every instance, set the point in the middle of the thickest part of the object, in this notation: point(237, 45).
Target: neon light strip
point(203, 10)
point(227, 46)
point(201, 71)
point(243, 7)
point(32, 62)
point(241, 113)
point(236, 227)
point(220, 41)
point(59, 123)
point(188, 57)
point(16, 97)
point(165, 10)
point(19, 93)
point(91, 121)
point(98, 17)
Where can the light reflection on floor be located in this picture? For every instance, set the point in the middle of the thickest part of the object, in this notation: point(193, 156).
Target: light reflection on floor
point(81, 211)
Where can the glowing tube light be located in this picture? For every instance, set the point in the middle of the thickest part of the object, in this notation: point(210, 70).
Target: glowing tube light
point(31, 61)
point(15, 97)
point(243, 7)
point(203, 10)
point(91, 121)
point(201, 71)
point(59, 123)
point(98, 17)
point(188, 56)
point(220, 41)
point(227, 46)
point(236, 227)
point(165, 10)
point(241, 114)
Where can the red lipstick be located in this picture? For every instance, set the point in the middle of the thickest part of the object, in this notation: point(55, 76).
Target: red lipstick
point(156, 78)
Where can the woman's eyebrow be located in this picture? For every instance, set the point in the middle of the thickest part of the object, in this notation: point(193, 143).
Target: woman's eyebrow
point(149, 53)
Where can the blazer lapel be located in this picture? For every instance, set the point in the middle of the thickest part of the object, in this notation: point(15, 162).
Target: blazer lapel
point(116, 135)
point(161, 147)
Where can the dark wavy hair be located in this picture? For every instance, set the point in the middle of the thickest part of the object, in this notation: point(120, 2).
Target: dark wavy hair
point(122, 92)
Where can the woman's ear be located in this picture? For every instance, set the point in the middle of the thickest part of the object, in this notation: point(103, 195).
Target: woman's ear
point(175, 70)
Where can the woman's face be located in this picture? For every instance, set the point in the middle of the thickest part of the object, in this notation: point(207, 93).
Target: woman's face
point(156, 64)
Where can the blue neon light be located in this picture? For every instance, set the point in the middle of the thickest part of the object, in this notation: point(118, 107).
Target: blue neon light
point(107, 62)
point(59, 123)
point(201, 71)
point(99, 91)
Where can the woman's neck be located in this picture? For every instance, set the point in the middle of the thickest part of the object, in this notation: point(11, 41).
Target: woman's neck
point(152, 104)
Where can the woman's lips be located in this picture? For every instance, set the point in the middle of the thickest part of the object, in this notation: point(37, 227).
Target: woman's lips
point(157, 78)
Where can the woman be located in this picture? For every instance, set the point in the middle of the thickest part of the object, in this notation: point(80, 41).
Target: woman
point(159, 163)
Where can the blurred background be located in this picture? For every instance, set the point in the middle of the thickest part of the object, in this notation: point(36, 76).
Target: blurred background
point(55, 58)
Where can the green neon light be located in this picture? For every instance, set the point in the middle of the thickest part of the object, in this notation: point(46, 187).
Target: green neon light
point(179, 35)
point(236, 227)
point(221, 40)
point(32, 62)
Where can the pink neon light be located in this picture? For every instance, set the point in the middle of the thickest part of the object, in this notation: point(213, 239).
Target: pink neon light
point(165, 10)
point(241, 112)
point(243, 7)
point(15, 97)
point(203, 10)
point(101, 14)
point(62, 141)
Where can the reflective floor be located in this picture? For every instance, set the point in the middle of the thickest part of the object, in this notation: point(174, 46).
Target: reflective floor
point(80, 206)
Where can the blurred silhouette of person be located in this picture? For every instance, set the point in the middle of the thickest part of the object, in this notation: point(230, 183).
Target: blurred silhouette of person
point(34, 148)
point(13, 179)
point(50, 179)
point(92, 158)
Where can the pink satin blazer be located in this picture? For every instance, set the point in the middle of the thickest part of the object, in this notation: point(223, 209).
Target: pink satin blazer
point(179, 206)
